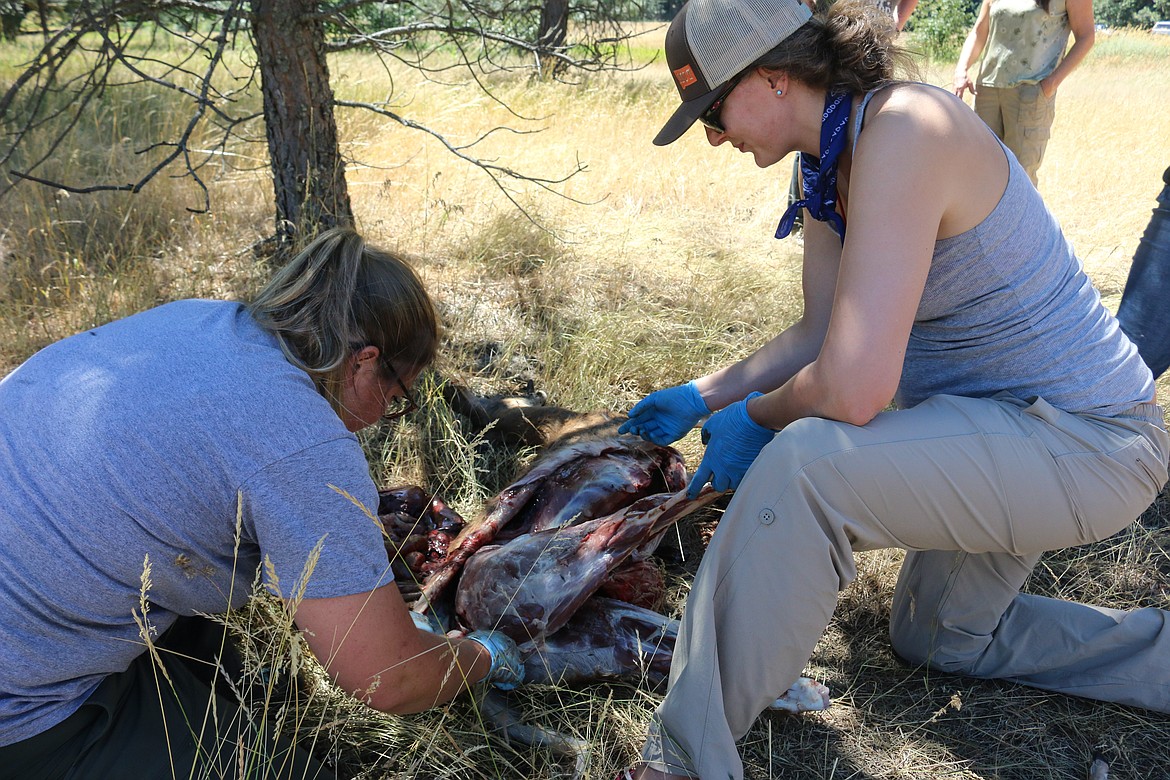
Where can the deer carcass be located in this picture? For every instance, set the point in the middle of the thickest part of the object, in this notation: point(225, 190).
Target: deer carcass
point(418, 528)
point(608, 639)
point(605, 639)
point(530, 587)
point(586, 479)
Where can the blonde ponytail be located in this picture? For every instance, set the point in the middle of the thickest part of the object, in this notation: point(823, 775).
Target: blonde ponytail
point(338, 293)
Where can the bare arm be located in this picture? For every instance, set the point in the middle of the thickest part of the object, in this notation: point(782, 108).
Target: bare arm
point(777, 361)
point(902, 12)
point(901, 187)
point(372, 649)
point(1084, 32)
point(972, 49)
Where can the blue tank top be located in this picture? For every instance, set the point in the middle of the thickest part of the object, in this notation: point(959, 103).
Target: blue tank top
point(1008, 307)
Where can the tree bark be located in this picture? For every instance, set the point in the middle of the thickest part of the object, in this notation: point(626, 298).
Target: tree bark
point(43, 15)
point(308, 173)
point(554, 30)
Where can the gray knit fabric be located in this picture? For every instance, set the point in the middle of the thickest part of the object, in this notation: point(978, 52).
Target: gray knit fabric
point(1008, 308)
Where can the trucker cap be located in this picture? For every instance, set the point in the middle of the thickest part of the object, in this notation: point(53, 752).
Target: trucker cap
point(710, 41)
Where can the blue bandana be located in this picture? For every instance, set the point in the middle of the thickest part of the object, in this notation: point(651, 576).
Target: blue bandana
point(820, 173)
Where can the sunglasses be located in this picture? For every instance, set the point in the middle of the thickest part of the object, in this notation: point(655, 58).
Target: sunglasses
point(710, 117)
point(399, 405)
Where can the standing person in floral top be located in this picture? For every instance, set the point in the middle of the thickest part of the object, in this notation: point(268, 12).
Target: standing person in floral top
point(1022, 43)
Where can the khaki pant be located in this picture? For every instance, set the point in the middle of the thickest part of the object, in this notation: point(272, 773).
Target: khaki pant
point(1022, 118)
point(976, 489)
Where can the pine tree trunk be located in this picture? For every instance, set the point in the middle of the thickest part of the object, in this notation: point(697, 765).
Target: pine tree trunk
point(308, 173)
point(553, 32)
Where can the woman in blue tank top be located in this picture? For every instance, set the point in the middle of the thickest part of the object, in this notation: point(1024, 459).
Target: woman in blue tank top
point(935, 280)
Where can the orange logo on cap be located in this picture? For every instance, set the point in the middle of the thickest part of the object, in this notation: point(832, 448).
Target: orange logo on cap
point(685, 77)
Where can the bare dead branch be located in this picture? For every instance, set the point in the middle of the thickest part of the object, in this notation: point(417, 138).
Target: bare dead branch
point(497, 173)
point(113, 55)
point(180, 47)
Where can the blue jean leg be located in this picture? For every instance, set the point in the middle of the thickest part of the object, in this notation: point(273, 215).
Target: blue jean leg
point(1144, 312)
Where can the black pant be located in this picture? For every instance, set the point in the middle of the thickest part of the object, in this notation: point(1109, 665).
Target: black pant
point(178, 719)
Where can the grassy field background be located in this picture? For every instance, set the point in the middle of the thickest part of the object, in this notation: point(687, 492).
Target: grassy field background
point(658, 266)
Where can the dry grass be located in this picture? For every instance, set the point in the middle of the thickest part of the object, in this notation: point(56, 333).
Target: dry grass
point(661, 267)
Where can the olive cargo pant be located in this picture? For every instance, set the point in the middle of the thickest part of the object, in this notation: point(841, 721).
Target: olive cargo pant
point(139, 725)
point(1022, 117)
point(976, 489)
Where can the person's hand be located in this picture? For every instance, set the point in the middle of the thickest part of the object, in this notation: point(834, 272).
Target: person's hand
point(733, 441)
point(665, 416)
point(963, 83)
point(1046, 89)
point(507, 669)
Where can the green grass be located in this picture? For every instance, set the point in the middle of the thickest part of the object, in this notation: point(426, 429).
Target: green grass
point(1129, 47)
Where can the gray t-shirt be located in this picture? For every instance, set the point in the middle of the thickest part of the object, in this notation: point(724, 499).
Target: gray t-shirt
point(137, 443)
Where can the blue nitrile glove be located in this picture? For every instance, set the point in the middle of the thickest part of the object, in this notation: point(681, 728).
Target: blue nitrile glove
point(665, 416)
point(426, 623)
point(507, 669)
point(733, 441)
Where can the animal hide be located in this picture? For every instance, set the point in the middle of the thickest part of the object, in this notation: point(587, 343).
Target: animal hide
point(580, 481)
point(606, 639)
point(531, 586)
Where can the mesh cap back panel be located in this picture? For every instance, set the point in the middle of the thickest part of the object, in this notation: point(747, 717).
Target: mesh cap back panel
point(728, 35)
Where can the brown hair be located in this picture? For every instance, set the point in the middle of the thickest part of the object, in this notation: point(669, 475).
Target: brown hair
point(339, 293)
point(847, 46)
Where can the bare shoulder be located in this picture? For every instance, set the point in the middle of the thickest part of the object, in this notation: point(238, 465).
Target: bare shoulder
point(923, 112)
point(909, 131)
point(923, 139)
